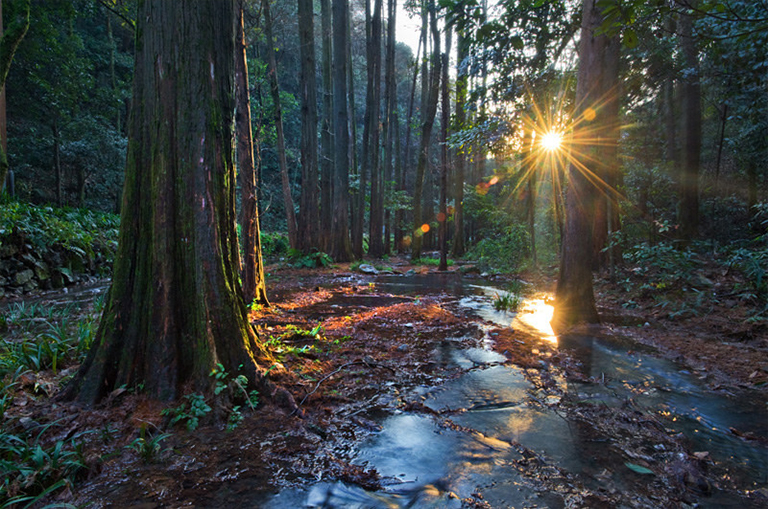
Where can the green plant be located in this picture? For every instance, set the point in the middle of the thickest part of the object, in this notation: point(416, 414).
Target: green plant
point(310, 260)
point(506, 302)
point(146, 445)
point(754, 265)
point(189, 411)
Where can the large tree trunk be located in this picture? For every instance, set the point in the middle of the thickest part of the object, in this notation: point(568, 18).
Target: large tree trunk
point(326, 129)
point(340, 245)
point(274, 87)
point(175, 310)
point(309, 220)
point(574, 297)
point(430, 109)
point(9, 41)
point(688, 200)
point(254, 286)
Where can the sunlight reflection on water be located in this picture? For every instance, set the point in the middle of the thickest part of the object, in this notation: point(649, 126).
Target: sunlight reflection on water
point(536, 314)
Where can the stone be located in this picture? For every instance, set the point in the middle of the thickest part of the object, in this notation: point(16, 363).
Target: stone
point(367, 269)
point(23, 277)
point(42, 271)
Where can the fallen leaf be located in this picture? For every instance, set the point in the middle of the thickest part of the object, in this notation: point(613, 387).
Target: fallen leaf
point(638, 469)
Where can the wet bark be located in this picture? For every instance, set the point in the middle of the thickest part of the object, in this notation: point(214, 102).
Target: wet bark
point(252, 269)
point(175, 309)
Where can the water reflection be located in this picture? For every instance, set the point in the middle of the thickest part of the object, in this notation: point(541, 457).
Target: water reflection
point(535, 314)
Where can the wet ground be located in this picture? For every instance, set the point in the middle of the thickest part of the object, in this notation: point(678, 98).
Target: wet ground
point(418, 393)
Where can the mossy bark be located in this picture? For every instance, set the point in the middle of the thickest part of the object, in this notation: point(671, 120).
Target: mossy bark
point(175, 309)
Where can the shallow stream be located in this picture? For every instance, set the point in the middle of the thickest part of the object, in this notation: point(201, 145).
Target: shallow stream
point(491, 428)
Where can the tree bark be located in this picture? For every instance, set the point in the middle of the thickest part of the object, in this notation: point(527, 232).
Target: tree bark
point(442, 216)
point(430, 109)
point(11, 37)
point(688, 200)
point(252, 269)
point(574, 297)
point(174, 309)
point(309, 219)
point(372, 147)
point(57, 168)
point(340, 245)
point(390, 120)
point(462, 49)
point(326, 129)
point(274, 87)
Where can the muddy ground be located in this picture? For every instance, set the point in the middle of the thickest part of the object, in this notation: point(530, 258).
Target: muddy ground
point(372, 350)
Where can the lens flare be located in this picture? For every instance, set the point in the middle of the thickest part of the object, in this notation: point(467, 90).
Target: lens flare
point(552, 140)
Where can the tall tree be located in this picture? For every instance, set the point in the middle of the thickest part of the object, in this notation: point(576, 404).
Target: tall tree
point(430, 110)
point(340, 247)
point(445, 105)
point(688, 199)
point(326, 126)
point(254, 285)
point(309, 220)
point(574, 297)
point(11, 37)
point(462, 53)
point(175, 310)
point(390, 120)
point(274, 88)
point(372, 139)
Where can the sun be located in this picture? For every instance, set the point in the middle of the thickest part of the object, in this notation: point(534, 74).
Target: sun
point(552, 140)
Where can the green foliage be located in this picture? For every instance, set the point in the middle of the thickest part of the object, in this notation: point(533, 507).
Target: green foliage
point(506, 301)
point(504, 252)
point(189, 411)
point(312, 260)
point(430, 262)
point(82, 237)
point(274, 244)
point(753, 263)
point(31, 470)
point(661, 266)
point(146, 445)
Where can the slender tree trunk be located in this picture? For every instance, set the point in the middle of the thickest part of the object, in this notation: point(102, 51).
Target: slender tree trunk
point(274, 87)
point(252, 269)
point(442, 216)
point(400, 220)
point(461, 157)
point(373, 108)
point(688, 204)
point(57, 168)
point(326, 128)
point(390, 121)
point(340, 247)
point(175, 309)
point(430, 109)
point(357, 196)
point(11, 37)
point(309, 218)
point(574, 297)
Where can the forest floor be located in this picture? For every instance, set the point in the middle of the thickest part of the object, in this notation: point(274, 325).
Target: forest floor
point(373, 349)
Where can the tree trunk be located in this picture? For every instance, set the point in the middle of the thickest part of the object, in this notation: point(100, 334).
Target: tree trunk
point(357, 196)
point(430, 110)
point(309, 219)
point(442, 216)
point(252, 270)
point(462, 48)
point(390, 120)
point(58, 170)
point(326, 129)
point(274, 87)
point(688, 205)
point(175, 309)
point(574, 297)
point(9, 41)
point(340, 246)
point(373, 127)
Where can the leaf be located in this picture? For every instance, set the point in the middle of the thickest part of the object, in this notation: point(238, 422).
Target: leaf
point(638, 469)
point(630, 38)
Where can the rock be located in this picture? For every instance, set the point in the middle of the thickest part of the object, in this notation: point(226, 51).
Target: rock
point(410, 272)
point(367, 269)
point(30, 285)
point(29, 260)
point(23, 277)
point(42, 271)
point(403, 348)
point(8, 250)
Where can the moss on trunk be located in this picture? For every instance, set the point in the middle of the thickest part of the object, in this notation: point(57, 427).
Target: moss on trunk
point(175, 308)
